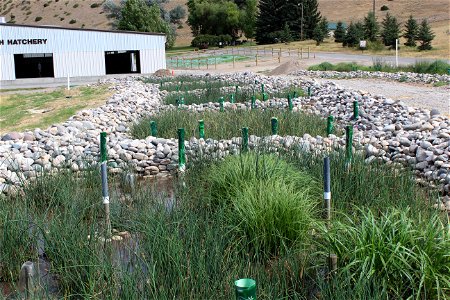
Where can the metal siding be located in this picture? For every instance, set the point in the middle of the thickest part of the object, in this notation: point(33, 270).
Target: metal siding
point(77, 64)
point(81, 53)
point(7, 71)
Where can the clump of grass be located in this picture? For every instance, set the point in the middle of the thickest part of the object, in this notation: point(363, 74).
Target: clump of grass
point(228, 124)
point(409, 256)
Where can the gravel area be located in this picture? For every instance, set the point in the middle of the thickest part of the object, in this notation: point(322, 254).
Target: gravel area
point(421, 96)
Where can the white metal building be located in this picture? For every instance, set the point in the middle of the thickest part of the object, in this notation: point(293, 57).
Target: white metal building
point(47, 51)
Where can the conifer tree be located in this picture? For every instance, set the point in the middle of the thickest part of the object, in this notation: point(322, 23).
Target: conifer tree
point(391, 30)
point(411, 30)
point(270, 20)
point(321, 31)
point(339, 33)
point(425, 36)
point(371, 27)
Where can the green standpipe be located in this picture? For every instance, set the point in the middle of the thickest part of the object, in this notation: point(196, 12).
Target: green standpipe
point(245, 289)
point(221, 103)
point(263, 94)
point(330, 120)
point(348, 144)
point(253, 102)
point(231, 98)
point(103, 151)
point(181, 150)
point(182, 101)
point(236, 90)
point(201, 129)
point(154, 128)
point(295, 94)
point(244, 139)
point(309, 91)
point(290, 104)
point(274, 124)
point(355, 110)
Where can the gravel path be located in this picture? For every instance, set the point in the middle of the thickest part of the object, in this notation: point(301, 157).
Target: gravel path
point(420, 96)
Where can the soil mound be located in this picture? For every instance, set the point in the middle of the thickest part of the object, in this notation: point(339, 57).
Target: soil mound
point(163, 73)
point(286, 68)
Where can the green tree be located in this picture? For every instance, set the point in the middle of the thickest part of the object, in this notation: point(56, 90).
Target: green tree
point(269, 20)
point(311, 15)
point(248, 18)
point(371, 27)
point(391, 30)
point(321, 31)
point(214, 17)
point(425, 36)
point(411, 30)
point(339, 33)
point(355, 33)
point(136, 15)
point(286, 36)
point(177, 14)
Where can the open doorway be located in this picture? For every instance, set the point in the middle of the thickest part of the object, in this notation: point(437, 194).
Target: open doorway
point(122, 62)
point(33, 65)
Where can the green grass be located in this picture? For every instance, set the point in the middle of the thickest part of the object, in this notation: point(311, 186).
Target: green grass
point(23, 111)
point(228, 124)
point(423, 67)
point(211, 61)
point(188, 83)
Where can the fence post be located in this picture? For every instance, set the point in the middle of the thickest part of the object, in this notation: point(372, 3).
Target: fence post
point(201, 129)
point(301, 53)
point(274, 125)
point(332, 265)
point(348, 145)
point(289, 50)
point(181, 151)
point(104, 175)
point(233, 61)
point(330, 120)
point(154, 128)
point(272, 52)
point(256, 59)
point(308, 51)
point(244, 139)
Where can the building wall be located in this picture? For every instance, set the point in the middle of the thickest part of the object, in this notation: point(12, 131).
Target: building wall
point(77, 52)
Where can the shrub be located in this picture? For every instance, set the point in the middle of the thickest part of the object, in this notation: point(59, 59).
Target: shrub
point(409, 256)
point(72, 21)
point(375, 46)
point(204, 41)
point(75, 5)
point(384, 8)
point(95, 5)
point(271, 202)
point(45, 4)
point(38, 19)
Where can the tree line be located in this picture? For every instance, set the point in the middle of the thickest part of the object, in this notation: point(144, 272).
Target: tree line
point(387, 32)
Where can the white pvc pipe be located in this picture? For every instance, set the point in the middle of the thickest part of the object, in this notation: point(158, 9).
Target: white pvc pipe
point(396, 53)
point(68, 82)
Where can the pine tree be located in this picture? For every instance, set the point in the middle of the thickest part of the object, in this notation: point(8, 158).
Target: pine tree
point(411, 30)
point(355, 33)
point(371, 27)
point(269, 20)
point(321, 31)
point(391, 30)
point(425, 36)
point(286, 36)
point(339, 33)
point(311, 17)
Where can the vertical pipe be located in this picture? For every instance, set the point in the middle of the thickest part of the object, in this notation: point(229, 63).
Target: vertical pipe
point(154, 128)
point(244, 139)
point(181, 150)
point(355, 110)
point(68, 82)
point(327, 188)
point(274, 125)
point(221, 103)
point(231, 98)
point(27, 279)
point(104, 175)
point(330, 120)
point(253, 106)
point(308, 51)
point(348, 144)
point(332, 265)
point(201, 129)
point(290, 104)
point(396, 53)
point(309, 91)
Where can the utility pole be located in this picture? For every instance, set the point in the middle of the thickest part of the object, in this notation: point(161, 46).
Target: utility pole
point(301, 22)
point(374, 8)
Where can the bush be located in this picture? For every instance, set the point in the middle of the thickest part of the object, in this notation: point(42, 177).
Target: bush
point(375, 46)
point(436, 67)
point(95, 5)
point(75, 5)
point(409, 256)
point(38, 19)
point(384, 8)
point(72, 21)
point(204, 41)
point(271, 202)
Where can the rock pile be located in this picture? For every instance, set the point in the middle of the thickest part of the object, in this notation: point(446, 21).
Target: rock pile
point(386, 130)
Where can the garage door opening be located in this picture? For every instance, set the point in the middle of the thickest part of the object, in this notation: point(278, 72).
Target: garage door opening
point(34, 65)
point(122, 62)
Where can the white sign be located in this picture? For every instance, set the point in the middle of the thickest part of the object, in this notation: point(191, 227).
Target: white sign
point(362, 44)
